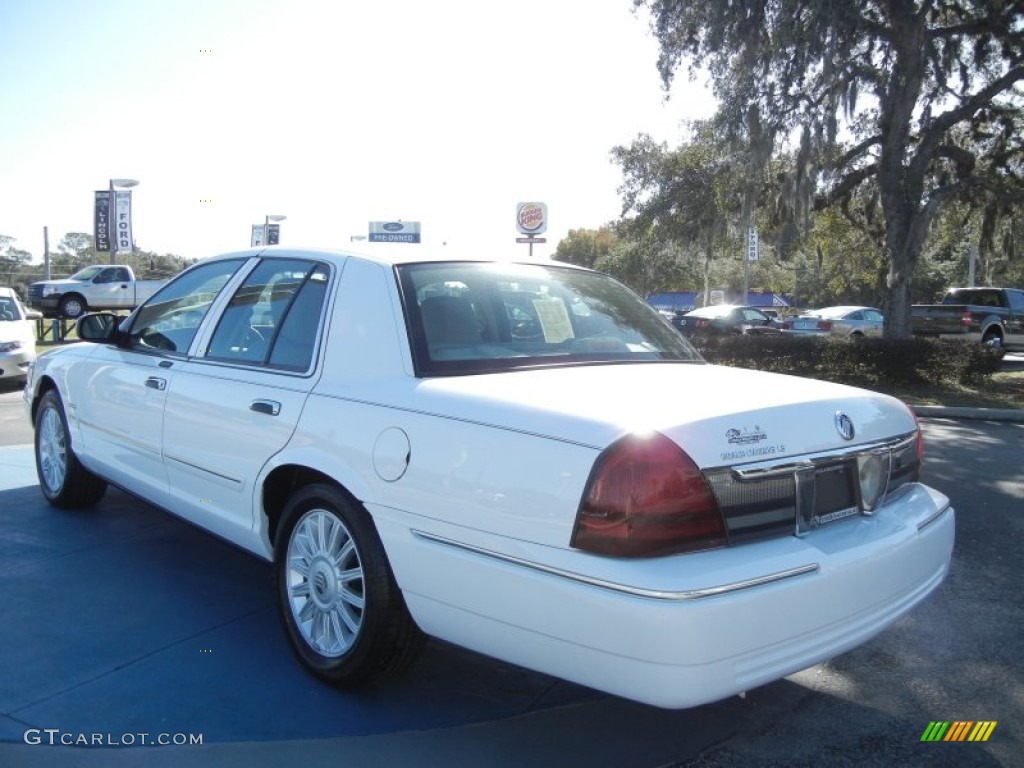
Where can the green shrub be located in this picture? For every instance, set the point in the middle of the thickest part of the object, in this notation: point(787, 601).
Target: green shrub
point(865, 362)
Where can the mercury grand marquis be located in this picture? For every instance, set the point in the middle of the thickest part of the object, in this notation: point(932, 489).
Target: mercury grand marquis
point(523, 459)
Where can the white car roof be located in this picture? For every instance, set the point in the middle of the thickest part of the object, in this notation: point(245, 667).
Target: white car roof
point(840, 310)
point(714, 310)
point(388, 257)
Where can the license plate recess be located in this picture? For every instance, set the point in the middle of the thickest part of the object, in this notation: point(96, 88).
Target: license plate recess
point(825, 494)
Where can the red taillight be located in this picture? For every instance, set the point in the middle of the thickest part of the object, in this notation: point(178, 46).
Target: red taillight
point(646, 497)
point(787, 325)
point(824, 325)
point(965, 318)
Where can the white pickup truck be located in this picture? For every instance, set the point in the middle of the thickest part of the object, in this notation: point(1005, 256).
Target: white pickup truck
point(97, 287)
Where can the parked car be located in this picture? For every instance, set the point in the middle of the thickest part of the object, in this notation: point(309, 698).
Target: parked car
point(17, 337)
point(97, 287)
point(427, 447)
point(843, 321)
point(725, 319)
point(993, 316)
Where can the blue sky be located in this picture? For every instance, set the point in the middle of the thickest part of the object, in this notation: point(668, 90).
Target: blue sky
point(331, 112)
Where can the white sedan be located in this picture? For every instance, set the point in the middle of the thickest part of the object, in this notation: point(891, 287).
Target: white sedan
point(845, 321)
point(522, 459)
point(17, 338)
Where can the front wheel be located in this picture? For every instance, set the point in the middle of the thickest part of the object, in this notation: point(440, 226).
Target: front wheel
point(63, 480)
point(337, 597)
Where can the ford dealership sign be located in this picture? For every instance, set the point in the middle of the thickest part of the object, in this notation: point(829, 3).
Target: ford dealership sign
point(394, 231)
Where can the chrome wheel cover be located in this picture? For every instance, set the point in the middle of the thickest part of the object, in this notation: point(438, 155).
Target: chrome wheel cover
point(52, 450)
point(324, 582)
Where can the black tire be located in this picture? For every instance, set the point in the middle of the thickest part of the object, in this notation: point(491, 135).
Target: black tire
point(340, 606)
point(994, 341)
point(73, 306)
point(63, 480)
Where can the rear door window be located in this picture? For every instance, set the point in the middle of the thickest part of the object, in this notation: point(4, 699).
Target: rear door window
point(274, 316)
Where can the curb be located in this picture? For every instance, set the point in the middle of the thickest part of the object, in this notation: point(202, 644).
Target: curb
point(981, 414)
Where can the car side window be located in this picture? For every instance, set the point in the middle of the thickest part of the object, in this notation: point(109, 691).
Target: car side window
point(296, 341)
point(169, 320)
point(273, 317)
point(987, 299)
point(873, 316)
point(1016, 300)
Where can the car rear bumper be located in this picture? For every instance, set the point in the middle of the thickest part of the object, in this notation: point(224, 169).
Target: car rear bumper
point(684, 630)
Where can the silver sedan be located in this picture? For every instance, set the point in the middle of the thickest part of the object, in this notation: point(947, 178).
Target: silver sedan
point(844, 321)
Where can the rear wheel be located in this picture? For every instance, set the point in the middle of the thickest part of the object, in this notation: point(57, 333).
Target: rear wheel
point(63, 480)
point(73, 306)
point(337, 597)
point(993, 341)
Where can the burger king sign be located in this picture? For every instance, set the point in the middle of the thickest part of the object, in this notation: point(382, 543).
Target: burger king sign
point(532, 218)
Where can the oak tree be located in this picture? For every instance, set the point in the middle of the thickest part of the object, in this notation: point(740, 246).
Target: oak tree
point(918, 97)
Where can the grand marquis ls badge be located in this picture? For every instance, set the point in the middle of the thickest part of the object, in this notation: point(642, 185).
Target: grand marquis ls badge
point(844, 425)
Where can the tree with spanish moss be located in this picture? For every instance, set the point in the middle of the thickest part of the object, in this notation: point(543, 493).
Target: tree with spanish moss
point(918, 97)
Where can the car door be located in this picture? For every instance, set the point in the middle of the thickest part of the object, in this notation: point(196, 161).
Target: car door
point(1015, 325)
point(873, 321)
point(117, 394)
point(112, 289)
point(234, 406)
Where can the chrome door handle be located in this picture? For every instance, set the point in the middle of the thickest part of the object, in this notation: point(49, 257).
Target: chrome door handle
point(156, 383)
point(269, 407)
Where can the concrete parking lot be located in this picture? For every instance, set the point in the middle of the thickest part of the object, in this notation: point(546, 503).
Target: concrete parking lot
point(123, 621)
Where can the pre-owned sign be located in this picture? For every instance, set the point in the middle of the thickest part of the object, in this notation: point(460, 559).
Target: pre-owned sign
point(394, 231)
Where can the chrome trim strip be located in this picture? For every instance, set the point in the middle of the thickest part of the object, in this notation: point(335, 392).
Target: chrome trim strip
point(768, 468)
point(233, 480)
point(121, 437)
point(653, 594)
point(933, 517)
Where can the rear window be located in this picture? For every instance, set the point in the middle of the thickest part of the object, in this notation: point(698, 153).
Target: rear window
point(481, 317)
point(978, 298)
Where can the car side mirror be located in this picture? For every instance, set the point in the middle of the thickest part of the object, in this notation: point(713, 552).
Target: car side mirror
point(98, 327)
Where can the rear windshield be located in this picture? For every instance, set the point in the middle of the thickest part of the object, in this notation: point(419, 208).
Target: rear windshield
point(978, 298)
point(479, 317)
